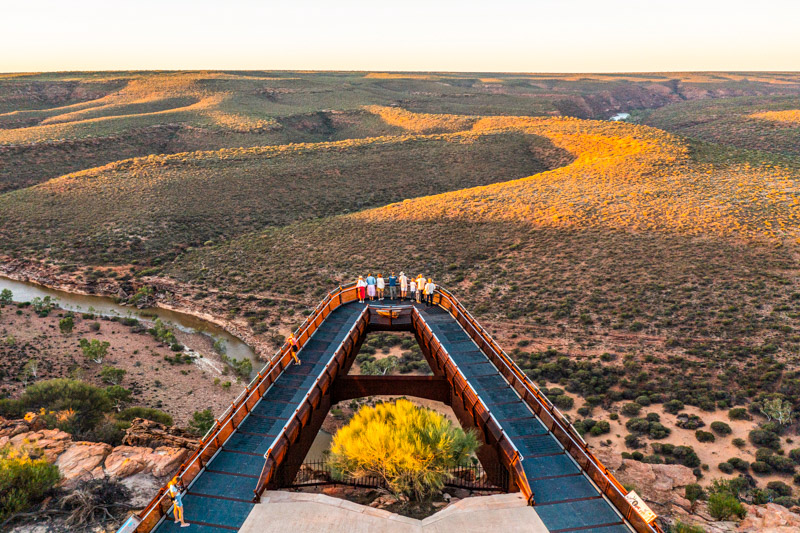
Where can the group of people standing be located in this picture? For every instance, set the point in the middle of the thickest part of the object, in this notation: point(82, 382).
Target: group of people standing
point(419, 288)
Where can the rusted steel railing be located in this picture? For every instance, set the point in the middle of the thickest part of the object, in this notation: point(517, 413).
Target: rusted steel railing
point(229, 420)
point(301, 416)
point(553, 419)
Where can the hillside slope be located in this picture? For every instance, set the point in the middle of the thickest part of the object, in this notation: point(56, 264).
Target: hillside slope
point(146, 209)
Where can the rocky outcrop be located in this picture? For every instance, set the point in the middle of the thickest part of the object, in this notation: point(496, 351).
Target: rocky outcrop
point(154, 435)
point(769, 518)
point(126, 461)
point(82, 461)
point(161, 451)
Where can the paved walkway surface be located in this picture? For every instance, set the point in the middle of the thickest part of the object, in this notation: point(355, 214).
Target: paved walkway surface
point(319, 513)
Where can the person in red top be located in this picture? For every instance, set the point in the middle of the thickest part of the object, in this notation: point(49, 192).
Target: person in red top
point(294, 346)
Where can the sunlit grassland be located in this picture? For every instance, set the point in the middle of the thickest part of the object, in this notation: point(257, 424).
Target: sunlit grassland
point(150, 208)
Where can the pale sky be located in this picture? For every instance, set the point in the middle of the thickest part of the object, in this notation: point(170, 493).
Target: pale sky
point(406, 35)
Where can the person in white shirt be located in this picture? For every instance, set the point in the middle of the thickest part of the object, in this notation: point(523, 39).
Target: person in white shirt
point(361, 288)
point(420, 288)
point(429, 290)
point(413, 288)
point(381, 286)
point(403, 286)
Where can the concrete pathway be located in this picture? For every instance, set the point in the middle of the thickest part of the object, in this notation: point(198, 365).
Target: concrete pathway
point(280, 511)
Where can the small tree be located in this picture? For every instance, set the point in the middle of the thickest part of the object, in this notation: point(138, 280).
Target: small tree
point(6, 297)
point(66, 325)
point(94, 349)
point(778, 409)
point(30, 371)
point(201, 421)
point(379, 367)
point(119, 396)
point(43, 306)
point(410, 448)
point(23, 480)
point(112, 375)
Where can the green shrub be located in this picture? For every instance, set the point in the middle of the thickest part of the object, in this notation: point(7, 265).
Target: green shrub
point(94, 350)
point(148, 413)
point(643, 400)
point(562, 401)
point(721, 428)
point(785, 501)
point(780, 488)
point(87, 402)
point(632, 441)
point(726, 468)
point(638, 425)
point(66, 325)
point(631, 409)
point(694, 492)
point(6, 297)
point(760, 467)
point(681, 527)
point(600, 428)
point(739, 443)
point(658, 431)
point(112, 375)
point(780, 463)
point(704, 436)
point(768, 439)
point(795, 455)
point(738, 413)
point(201, 421)
point(23, 481)
point(723, 506)
point(739, 464)
point(673, 406)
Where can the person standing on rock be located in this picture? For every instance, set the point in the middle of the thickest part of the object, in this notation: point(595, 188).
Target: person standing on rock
point(381, 284)
point(392, 287)
point(361, 288)
point(174, 489)
point(294, 347)
point(371, 283)
point(403, 286)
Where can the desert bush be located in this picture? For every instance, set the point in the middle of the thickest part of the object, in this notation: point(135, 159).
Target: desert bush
point(780, 463)
point(673, 406)
point(721, 428)
point(760, 467)
point(148, 413)
point(562, 401)
point(410, 448)
point(726, 467)
point(112, 375)
point(704, 436)
point(723, 506)
point(768, 439)
point(23, 480)
point(600, 428)
point(694, 492)
point(94, 350)
point(78, 406)
point(201, 421)
point(780, 488)
point(6, 297)
point(631, 409)
point(66, 325)
point(785, 501)
point(794, 454)
point(637, 425)
point(738, 413)
point(632, 441)
point(739, 443)
point(739, 464)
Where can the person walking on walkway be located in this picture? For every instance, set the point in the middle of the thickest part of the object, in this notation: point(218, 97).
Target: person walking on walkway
point(381, 286)
point(429, 290)
point(361, 288)
point(403, 286)
point(371, 282)
point(294, 346)
point(392, 287)
point(412, 287)
point(174, 489)
point(420, 288)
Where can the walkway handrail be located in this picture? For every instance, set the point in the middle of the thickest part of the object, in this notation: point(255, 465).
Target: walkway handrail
point(575, 443)
point(233, 415)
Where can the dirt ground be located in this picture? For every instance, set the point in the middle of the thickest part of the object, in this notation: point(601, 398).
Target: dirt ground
point(178, 389)
point(710, 453)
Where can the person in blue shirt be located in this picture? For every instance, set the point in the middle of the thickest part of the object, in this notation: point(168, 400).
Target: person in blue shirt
point(371, 286)
point(392, 287)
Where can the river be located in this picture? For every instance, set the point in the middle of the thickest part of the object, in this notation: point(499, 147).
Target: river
point(235, 348)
